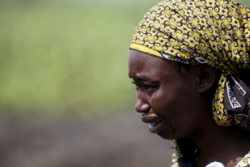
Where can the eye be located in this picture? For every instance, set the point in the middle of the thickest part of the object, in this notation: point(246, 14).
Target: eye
point(148, 86)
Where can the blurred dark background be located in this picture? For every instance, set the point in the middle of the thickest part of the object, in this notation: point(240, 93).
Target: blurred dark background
point(65, 98)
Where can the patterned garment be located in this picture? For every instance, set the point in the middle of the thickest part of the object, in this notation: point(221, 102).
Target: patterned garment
point(213, 32)
point(245, 162)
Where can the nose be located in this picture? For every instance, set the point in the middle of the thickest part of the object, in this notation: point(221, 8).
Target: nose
point(141, 105)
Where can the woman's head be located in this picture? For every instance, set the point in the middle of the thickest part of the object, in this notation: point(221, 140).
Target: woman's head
point(211, 32)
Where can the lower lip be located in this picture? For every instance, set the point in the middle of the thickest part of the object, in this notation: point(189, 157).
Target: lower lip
point(157, 128)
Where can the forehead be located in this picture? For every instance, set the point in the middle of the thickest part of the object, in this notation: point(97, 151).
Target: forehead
point(142, 65)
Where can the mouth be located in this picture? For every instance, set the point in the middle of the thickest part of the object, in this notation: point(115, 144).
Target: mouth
point(155, 124)
point(157, 127)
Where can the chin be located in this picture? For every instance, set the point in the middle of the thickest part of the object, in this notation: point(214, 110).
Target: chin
point(166, 136)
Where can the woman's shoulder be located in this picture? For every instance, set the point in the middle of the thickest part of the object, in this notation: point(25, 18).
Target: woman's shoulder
point(245, 162)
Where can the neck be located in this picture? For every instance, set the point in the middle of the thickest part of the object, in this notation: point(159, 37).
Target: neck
point(223, 144)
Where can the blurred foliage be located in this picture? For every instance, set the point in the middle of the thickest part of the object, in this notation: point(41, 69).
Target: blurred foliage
point(67, 55)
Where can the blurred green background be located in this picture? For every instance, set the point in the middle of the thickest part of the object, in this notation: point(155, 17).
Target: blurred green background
point(66, 55)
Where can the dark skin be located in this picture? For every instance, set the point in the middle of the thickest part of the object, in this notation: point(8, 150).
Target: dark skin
point(178, 101)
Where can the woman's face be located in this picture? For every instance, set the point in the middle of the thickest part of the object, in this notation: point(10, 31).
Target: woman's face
point(167, 98)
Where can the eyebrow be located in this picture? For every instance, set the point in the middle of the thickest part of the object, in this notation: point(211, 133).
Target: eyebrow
point(142, 78)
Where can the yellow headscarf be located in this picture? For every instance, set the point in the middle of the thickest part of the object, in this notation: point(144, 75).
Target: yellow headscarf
point(214, 32)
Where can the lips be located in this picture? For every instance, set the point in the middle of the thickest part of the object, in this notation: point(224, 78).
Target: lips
point(155, 124)
point(157, 128)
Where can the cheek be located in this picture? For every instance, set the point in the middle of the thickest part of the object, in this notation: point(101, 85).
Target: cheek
point(165, 105)
point(166, 97)
point(160, 101)
point(188, 118)
point(178, 107)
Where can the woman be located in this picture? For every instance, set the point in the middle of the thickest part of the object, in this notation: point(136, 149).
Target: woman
point(190, 63)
